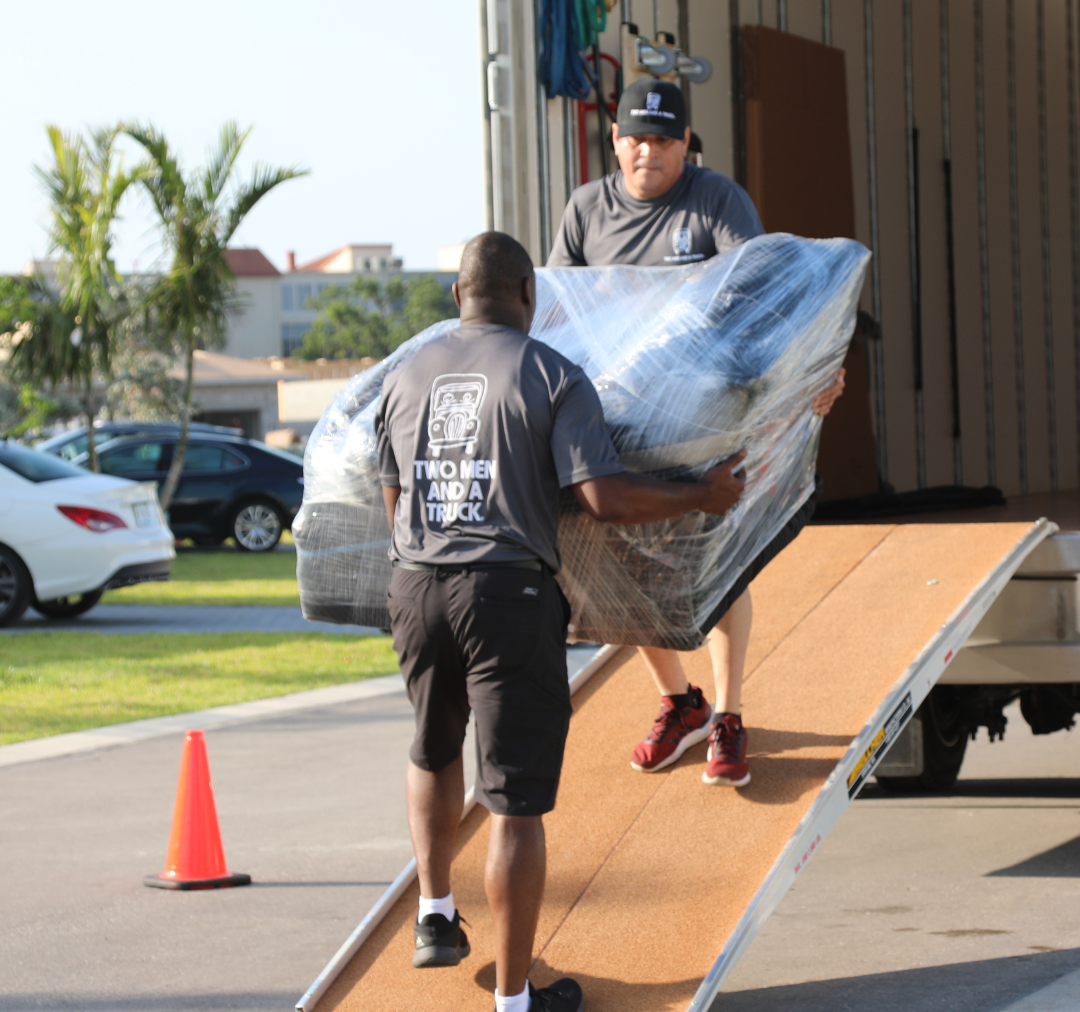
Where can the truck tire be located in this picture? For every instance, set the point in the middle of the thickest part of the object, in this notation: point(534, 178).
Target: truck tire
point(69, 606)
point(944, 743)
point(16, 587)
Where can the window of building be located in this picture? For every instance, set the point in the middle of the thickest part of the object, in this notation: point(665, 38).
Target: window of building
point(303, 293)
point(292, 336)
point(286, 296)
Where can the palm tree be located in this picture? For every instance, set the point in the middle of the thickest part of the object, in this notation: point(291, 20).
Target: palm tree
point(71, 338)
point(35, 337)
point(198, 216)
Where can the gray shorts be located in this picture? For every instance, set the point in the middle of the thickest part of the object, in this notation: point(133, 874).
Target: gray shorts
point(492, 641)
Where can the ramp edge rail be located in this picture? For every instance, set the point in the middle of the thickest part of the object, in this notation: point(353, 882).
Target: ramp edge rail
point(397, 888)
point(862, 756)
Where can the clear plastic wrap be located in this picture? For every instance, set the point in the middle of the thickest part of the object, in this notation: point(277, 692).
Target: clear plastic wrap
point(691, 363)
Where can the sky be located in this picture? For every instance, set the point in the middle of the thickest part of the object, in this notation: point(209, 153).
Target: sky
point(380, 100)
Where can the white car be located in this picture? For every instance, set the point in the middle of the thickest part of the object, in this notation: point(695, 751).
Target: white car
point(68, 535)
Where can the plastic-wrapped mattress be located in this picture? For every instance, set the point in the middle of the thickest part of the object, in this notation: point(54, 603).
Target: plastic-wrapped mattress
point(691, 363)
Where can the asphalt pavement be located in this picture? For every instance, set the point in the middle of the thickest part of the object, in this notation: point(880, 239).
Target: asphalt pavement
point(310, 805)
point(966, 902)
point(124, 619)
point(952, 904)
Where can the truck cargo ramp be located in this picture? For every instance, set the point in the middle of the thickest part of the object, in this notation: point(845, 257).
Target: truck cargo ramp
point(651, 876)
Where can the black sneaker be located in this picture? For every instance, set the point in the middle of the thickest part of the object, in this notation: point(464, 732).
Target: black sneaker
point(562, 996)
point(439, 942)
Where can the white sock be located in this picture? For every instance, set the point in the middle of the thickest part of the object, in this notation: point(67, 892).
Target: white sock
point(514, 1002)
point(444, 906)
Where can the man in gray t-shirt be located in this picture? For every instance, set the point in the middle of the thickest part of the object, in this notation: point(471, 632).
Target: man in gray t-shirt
point(477, 433)
point(505, 423)
point(658, 210)
point(703, 214)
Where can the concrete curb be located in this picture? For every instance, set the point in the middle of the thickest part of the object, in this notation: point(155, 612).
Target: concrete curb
point(235, 713)
point(1061, 996)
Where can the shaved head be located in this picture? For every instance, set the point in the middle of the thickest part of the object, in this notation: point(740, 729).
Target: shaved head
point(494, 266)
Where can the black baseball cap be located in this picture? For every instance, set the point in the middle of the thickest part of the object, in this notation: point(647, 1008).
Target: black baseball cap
point(652, 106)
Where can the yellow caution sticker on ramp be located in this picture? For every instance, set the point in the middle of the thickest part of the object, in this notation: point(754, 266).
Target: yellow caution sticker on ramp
point(880, 745)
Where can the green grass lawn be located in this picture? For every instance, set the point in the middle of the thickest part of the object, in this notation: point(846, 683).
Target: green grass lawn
point(68, 681)
point(222, 577)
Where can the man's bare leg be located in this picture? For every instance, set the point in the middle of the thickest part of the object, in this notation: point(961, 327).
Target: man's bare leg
point(685, 721)
point(666, 670)
point(514, 880)
point(728, 644)
point(434, 802)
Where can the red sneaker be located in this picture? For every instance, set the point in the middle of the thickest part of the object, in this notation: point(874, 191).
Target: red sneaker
point(675, 730)
point(727, 753)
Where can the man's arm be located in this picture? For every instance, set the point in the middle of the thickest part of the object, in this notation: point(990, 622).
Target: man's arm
point(390, 496)
point(628, 498)
point(824, 401)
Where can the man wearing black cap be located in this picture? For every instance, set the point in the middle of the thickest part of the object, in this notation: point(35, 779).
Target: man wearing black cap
point(477, 433)
point(658, 210)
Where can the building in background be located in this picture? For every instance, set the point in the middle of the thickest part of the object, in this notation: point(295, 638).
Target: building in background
point(236, 391)
point(262, 395)
point(254, 383)
point(254, 324)
point(272, 316)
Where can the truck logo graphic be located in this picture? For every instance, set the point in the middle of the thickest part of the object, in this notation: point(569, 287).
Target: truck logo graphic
point(454, 419)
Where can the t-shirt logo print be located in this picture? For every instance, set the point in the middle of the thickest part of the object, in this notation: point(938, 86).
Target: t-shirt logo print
point(652, 102)
point(454, 419)
point(682, 241)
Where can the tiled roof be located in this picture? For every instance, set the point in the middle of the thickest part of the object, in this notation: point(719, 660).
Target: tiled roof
point(318, 265)
point(214, 369)
point(359, 250)
point(249, 263)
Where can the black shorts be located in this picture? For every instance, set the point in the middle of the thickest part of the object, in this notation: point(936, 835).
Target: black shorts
point(493, 641)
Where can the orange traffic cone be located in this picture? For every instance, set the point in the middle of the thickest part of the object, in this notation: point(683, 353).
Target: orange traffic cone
point(196, 859)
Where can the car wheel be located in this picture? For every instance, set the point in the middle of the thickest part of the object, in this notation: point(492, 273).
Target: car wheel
point(15, 587)
point(257, 527)
point(69, 606)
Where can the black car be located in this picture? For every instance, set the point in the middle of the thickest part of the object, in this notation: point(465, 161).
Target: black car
point(72, 443)
point(230, 487)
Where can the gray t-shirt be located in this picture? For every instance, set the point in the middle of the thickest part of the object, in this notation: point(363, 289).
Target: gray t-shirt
point(480, 429)
point(703, 214)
